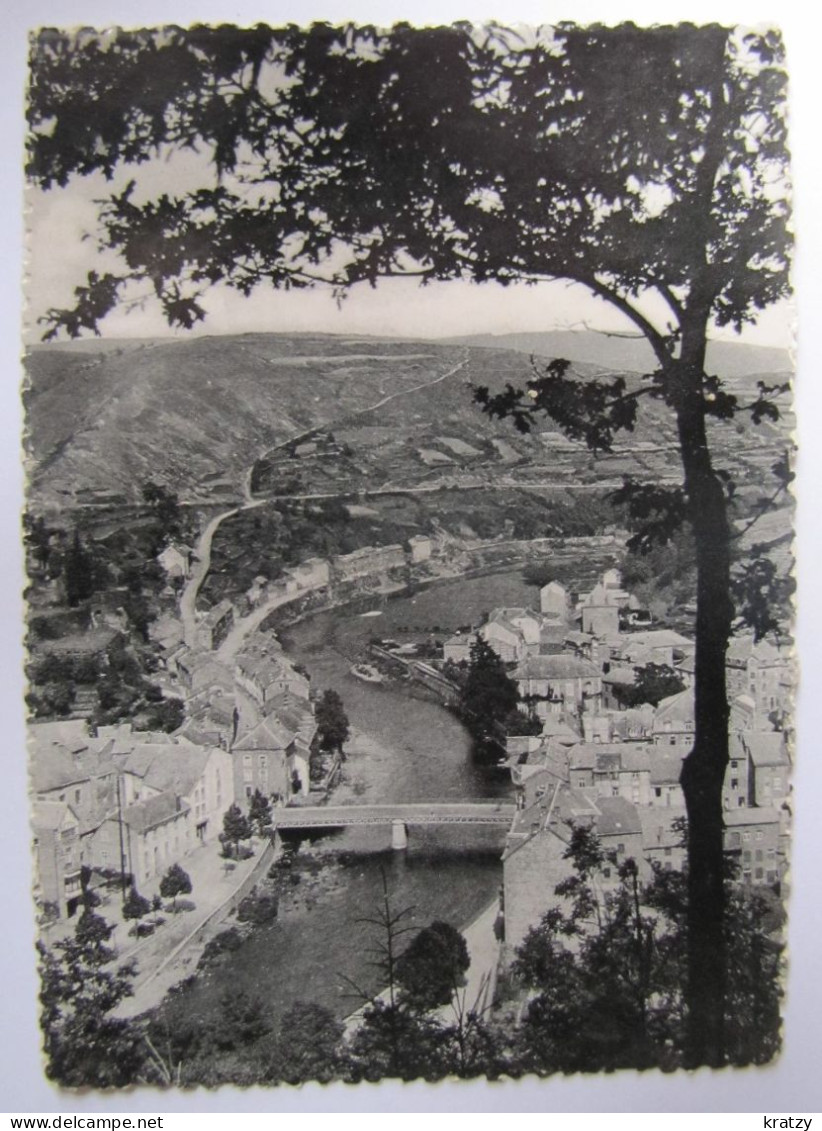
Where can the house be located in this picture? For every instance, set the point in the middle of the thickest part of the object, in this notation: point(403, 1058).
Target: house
point(665, 765)
point(202, 777)
point(620, 769)
point(559, 684)
point(504, 637)
point(176, 559)
point(201, 675)
point(154, 832)
point(79, 772)
point(419, 548)
point(260, 758)
point(674, 721)
point(768, 767)
point(313, 573)
point(656, 646)
point(534, 859)
point(57, 858)
point(736, 786)
point(457, 649)
point(555, 601)
point(616, 677)
point(752, 838)
point(367, 562)
point(261, 676)
point(600, 613)
point(213, 723)
point(762, 671)
point(257, 591)
point(97, 646)
point(215, 625)
point(663, 839)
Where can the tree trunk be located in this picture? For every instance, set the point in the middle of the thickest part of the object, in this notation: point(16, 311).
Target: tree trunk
point(704, 768)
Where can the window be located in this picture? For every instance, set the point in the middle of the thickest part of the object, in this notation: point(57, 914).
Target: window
point(668, 851)
point(657, 791)
point(620, 848)
point(734, 764)
point(77, 796)
point(734, 783)
point(759, 834)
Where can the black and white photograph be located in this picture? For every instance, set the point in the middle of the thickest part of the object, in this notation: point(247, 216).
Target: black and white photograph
point(409, 530)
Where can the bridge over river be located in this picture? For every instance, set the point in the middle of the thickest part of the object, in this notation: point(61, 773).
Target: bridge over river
point(400, 818)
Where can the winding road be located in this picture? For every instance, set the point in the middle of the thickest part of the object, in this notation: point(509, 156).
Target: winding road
point(202, 551)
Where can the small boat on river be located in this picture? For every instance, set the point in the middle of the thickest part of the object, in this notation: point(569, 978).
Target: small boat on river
point(367, 673)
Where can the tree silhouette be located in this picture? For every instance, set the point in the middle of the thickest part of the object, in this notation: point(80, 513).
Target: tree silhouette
point(236, 828)
point(648, 166)
point(79, 989)
point(175, 882)
point(488, 698)
point(259, 813)
point(332, 721)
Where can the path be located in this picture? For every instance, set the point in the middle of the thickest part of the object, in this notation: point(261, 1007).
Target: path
point(188, 598)
point(171, 954)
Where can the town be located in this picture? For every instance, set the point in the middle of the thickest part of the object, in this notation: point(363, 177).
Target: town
point(605, 739)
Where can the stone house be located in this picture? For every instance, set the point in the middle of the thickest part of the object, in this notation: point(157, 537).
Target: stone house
point(260, 758)
point(619, 769)
point(662, 836)
point(534, 858)
point(313, 573)
point(555, 600)
point(600, 613)
point(57, 858)
point(656, 646)
point(666, 767)
point(419, 548)
point(752, 837)
point(559, 684)
point(762, 671)
point(674, 721)
point(176, 559)
point(202, 777)
point(768, 767)
point(215, 625)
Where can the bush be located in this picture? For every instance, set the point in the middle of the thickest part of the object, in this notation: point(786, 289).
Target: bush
point(180, 905)
point(226, 942)
point(142, 930)
point(257, 910)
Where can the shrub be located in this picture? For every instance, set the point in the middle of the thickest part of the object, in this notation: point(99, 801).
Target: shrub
point(142, 930)
point(226, 942)
point(257, 910)
point(180, 905)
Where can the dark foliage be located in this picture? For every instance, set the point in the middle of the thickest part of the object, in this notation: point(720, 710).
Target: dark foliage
point(432, 967)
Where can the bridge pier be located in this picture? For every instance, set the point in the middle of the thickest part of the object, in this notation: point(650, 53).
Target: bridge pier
point(399, 835)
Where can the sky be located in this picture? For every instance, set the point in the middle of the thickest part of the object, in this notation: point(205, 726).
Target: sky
point(65, 219)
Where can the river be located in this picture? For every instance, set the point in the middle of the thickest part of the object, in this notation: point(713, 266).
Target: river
point(403, 749)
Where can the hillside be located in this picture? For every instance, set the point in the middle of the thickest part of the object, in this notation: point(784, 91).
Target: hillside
point(386, 414)
point(633, 354)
